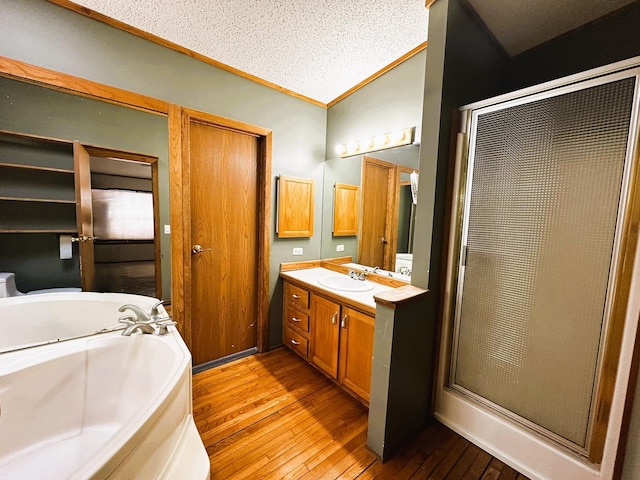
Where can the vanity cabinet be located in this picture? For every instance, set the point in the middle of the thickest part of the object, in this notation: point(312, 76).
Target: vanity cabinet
point(296, 319)
point(335, 338)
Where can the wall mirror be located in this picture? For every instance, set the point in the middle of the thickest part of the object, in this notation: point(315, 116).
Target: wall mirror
point(41, 253)
point(397, 224)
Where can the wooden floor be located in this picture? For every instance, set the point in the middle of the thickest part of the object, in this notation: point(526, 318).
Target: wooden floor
point(273, 416)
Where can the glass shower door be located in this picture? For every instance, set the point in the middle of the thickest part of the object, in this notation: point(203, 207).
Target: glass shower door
point(544, 198)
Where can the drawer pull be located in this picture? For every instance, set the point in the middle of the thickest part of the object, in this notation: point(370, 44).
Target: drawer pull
point(295, 319)
point(334, 319)
point(296, 296)
point(294, 342)
point(343, 323)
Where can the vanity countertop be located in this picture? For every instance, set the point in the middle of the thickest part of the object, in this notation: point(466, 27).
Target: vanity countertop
point(311, 277)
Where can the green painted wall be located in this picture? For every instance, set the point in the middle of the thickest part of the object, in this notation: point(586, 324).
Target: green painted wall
point(44, 34)
point(391, 102)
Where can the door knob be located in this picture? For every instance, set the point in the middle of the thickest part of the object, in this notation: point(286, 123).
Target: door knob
point(198, 249)
point(384, 240)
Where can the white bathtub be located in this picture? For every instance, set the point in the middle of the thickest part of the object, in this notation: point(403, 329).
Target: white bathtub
point(35, 319)
point(103, 406)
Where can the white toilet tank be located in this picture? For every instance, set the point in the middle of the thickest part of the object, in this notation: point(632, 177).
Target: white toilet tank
point(8, 287)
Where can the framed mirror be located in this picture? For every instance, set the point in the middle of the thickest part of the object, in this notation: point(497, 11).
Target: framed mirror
point(398, 222)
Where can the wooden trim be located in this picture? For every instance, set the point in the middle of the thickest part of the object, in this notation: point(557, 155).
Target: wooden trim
point(98, 151)
point(289, 266)
point(87, 12)
point(379, 73)
point(157, 235)
point(225, 122)
point(177, 233)
point(345, 259)
point(79, 86)
point(264, 241)
point(428, 3)
point(613, 339)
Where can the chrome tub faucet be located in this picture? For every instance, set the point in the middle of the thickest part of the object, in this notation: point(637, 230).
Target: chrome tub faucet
point(143, 322)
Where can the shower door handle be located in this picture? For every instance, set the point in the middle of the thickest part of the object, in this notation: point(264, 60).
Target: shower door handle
point(196, 249)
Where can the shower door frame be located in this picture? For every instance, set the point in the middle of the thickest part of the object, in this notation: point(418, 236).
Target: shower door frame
point(452, 404)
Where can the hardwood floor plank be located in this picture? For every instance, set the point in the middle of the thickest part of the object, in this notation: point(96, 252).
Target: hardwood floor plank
point(479, 465)
point(409, 459)
point(449, 460)
point(272, 416)
point(464, 463)
point(434, 459)
point(508, 473)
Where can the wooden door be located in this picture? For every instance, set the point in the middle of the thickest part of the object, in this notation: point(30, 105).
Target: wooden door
point(84, 215)
point(356, 352)
point(325, 332)
point(377, 239)
point(224, 224)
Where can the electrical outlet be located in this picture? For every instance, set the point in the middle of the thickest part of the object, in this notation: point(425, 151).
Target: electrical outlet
point(339, 248)
point(167, 229)
point(297, 251)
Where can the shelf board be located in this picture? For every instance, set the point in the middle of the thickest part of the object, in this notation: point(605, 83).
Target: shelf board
point(39, 200)
point(44, 230)
point(33, 167)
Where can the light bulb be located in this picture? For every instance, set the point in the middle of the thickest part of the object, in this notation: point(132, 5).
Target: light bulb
point(382, 140)
point(398, 136)
point(368, 143)
point(341, 149)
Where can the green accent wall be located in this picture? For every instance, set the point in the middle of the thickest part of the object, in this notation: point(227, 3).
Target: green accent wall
point(44, 34)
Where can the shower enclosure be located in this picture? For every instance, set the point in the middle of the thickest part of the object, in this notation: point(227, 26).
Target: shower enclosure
point(539, 267)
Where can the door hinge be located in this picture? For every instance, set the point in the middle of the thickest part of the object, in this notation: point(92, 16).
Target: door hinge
point(463, 256)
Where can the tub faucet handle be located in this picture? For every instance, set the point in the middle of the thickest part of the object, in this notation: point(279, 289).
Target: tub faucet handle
point(127, 320)
point(162, 326)
point(155, 310)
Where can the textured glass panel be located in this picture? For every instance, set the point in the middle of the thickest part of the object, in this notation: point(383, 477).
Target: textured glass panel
point(546, 185)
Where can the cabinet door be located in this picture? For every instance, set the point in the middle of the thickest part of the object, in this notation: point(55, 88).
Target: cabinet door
point(325, 331)
point(356, 351)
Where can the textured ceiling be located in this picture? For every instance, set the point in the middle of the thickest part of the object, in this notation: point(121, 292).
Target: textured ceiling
point(316, 48)
point(322, 48)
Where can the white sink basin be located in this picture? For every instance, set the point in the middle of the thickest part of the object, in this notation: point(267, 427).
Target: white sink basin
point(345, 284)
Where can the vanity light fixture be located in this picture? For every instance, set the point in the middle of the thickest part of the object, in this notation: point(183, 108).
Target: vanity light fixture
point(379, 142)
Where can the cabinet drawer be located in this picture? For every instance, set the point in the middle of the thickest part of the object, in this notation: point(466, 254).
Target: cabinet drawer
point(296, 318)
point(296, 342)
point(296, 295)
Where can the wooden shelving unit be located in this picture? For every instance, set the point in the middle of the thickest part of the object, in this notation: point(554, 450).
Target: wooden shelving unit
point(37, 185)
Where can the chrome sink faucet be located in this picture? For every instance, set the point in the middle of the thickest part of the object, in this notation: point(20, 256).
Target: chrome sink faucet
point(357, 276)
